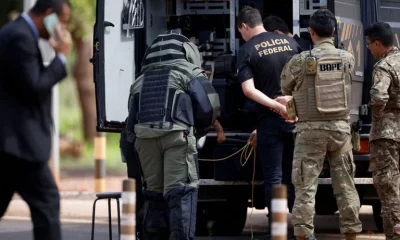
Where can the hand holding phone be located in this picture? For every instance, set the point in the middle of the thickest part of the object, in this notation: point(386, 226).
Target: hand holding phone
point(60, 39)
point(50, 22)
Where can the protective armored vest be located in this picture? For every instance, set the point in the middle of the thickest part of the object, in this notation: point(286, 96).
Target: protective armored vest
point(161, 101)
point(162, 92)
point(324, 93)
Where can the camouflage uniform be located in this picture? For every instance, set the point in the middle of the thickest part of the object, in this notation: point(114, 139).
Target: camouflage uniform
point(317, 139)
point(385, 138)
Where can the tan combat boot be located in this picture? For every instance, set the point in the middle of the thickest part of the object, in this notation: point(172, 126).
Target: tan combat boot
point(351, 236)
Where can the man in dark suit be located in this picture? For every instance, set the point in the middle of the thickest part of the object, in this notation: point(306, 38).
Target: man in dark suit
point(25, 113)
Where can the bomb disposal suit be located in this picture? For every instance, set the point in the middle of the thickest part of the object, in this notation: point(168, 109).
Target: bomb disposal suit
point(171, 103)
point(320, 80)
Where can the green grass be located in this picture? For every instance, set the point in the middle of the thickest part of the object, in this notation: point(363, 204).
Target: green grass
point(70, 127)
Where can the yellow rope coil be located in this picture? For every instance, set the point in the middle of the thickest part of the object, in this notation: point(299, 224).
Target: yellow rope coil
point(246, 152)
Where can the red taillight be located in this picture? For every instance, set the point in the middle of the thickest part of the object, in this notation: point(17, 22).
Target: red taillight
point(364, 146)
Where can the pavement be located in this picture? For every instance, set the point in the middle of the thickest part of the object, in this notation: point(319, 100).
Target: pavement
point(76, 214)
point(77, 206)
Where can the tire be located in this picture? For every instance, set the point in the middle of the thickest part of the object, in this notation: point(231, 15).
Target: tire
point(221, 218)
point(376, 208)
point(325, 201)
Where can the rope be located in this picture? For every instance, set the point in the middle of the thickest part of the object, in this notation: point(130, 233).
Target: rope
point(246, 152)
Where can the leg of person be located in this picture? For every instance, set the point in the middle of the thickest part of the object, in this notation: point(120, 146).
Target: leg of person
point(8, 176)
point(385, 173)
point(270, 148)
point(39, 190)
point(181, 181)
point(287, 165)
point(133, 170)
point(342, 169)
point(309, 156)
point(155, 219)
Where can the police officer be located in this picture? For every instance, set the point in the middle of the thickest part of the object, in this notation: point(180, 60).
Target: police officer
point(319, 81)
point(385, 131)
point(260, 62)
point(278, 25)
point(172, 104)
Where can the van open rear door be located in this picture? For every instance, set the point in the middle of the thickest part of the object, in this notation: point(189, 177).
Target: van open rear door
point(113, 59)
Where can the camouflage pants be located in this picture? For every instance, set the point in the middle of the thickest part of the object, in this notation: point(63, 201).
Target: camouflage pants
point(311, 147)
point(384, 165)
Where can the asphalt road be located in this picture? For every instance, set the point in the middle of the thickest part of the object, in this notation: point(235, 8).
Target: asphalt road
point(20, 228)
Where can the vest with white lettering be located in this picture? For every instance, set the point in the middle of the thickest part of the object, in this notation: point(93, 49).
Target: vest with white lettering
point(324, 93)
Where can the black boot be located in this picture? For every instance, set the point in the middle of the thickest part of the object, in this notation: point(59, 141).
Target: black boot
point(182, 203)
point(156, 217)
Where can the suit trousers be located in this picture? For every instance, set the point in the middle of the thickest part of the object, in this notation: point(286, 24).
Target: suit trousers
point(35, 184)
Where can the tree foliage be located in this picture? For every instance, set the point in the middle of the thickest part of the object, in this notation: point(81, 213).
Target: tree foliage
point(82, 18)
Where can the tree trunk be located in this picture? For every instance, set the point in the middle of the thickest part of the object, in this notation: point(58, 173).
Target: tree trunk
point(83, 74)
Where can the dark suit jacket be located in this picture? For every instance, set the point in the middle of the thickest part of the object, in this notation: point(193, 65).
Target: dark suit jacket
point(25, 93)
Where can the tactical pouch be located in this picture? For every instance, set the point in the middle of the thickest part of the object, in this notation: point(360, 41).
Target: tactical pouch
point(311, 66)
point(291, 109)
point(330, 89)
point(355, 140)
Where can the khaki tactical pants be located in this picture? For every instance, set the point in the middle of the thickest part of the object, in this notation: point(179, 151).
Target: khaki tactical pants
point(311, 147)
point(169, 161)
point(170, 172)
point(384, 165)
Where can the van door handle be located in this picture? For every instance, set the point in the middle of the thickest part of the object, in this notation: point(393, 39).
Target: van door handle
point(108, 24)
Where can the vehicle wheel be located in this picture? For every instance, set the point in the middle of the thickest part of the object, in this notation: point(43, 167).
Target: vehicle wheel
point(325, 201)
point(221, 218)
point(376, 208)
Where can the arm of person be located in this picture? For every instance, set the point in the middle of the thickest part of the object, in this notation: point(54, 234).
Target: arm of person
point(205, 103)
point(256, 95)
point(290, 74)
point(25, 65)
point(253, 138)
point(379, 92)
point(220, 131)
point(128, 137)
point(245, 76)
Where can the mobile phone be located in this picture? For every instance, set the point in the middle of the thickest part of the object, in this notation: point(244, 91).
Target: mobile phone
point(50, 22)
